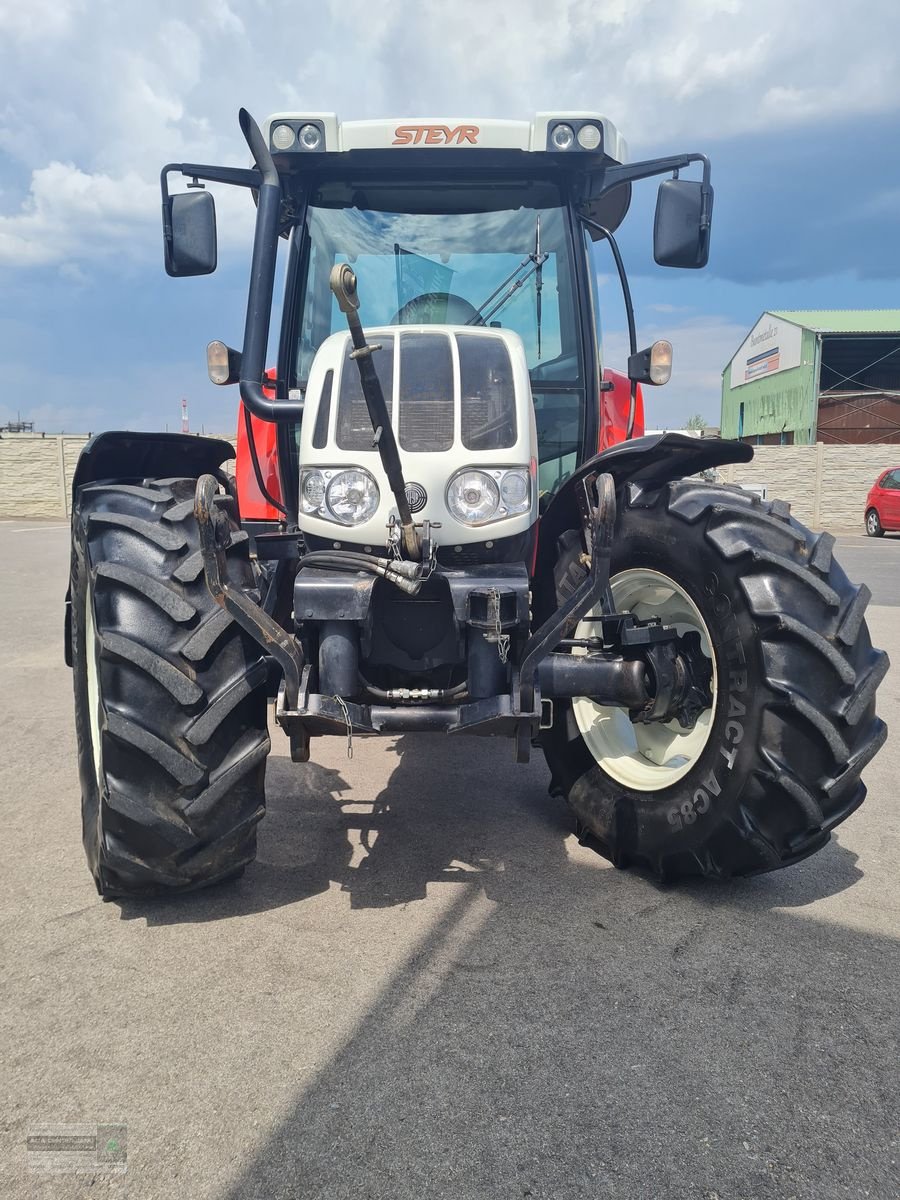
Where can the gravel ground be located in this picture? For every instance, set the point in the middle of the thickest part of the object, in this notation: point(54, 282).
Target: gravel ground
point(425, 987)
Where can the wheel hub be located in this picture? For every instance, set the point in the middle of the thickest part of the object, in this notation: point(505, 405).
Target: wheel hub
point(653, 750)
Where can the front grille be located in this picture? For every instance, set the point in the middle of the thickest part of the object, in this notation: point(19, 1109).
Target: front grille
point(426, 392)
point(354, 427)
point(424, 420)
point(488, 404)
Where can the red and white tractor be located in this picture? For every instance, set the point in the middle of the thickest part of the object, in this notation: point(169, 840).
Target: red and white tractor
point(442, 520)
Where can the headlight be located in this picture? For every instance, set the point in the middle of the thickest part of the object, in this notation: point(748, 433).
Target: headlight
point(589, 137)
point(352, 497)
point(310, 137)
point(476, 497)
point(282, 137)
point(514, 491)
point(348, 496)
point(563, 137)
point(312, 491)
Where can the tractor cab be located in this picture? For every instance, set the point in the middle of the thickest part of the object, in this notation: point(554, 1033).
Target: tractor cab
point(479, 224)
point(462, 223)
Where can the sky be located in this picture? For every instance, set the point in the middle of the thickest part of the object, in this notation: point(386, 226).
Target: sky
point(797, 105)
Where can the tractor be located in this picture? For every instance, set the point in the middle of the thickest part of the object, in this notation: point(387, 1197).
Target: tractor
point(443, 519)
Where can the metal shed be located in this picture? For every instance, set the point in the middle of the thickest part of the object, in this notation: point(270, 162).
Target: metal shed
point(807, 375)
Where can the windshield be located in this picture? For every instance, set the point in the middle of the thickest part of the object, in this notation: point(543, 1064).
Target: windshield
point(417, 267)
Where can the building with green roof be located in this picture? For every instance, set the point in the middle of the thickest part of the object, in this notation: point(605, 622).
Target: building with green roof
point(815, 375)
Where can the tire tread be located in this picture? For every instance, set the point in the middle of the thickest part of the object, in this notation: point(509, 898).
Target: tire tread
point(183, 726)
point(819, 678)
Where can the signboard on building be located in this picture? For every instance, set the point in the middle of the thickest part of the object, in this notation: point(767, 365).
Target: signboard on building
point(772, 345)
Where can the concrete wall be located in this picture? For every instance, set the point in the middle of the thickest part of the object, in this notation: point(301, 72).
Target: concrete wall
point(825, 485)
point(36, 473)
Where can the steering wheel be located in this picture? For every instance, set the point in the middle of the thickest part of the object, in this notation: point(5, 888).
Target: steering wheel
point(418, 310)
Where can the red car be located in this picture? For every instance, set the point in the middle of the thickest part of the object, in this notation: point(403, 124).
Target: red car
point(883, 503)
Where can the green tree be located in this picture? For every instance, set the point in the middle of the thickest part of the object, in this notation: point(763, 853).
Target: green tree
point(697, 421)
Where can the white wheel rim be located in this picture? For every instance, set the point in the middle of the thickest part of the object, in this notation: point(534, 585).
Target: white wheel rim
point(873, 522)
point(93, 680)
point(646, 758)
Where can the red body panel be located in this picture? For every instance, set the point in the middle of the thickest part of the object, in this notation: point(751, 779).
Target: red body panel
point(886, 500)
point(614, 410)
point(253, 505)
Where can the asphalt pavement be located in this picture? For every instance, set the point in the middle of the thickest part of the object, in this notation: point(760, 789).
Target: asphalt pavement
point(426, 988)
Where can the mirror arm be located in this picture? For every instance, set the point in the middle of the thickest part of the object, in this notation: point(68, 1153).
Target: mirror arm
point(247, 177)
point(629, 172)
point(629, 313)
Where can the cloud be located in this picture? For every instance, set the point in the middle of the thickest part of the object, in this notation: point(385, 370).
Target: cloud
point(63, 205)
point(165, 81)
point(97, 97)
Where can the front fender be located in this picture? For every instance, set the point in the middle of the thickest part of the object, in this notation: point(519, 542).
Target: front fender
point(655, 459)
point(120, 454)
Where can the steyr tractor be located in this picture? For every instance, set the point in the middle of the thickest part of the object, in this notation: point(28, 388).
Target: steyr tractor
point(441, 521)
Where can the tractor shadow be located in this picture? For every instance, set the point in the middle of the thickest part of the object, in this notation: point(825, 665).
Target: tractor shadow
point(451, 811)
point(563, 1029)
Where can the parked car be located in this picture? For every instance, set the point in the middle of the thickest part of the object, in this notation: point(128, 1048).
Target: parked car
point(883, 503)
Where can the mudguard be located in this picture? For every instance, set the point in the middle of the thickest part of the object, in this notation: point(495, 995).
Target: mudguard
point(120, 454)
point(655, 459)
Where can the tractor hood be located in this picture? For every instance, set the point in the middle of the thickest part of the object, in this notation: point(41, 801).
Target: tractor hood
point(462, 413)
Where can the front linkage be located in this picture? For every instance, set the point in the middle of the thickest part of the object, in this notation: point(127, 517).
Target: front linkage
point(643, 667)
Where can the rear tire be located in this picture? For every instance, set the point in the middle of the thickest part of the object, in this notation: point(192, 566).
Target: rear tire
point(170, 700)
point(793, 717)
point(874, 528)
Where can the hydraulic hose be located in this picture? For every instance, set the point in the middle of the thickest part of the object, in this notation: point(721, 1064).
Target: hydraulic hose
point(404, 575)
point(257, 469)
point(433, 694)
point(629, 314)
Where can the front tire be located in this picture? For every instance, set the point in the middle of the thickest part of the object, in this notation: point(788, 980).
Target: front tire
point(170, 703)
point(792, 723)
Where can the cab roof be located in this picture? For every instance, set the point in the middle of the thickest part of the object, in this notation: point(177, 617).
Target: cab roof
point(584, 135)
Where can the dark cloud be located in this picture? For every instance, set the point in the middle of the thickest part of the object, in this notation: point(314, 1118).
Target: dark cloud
point(796, 204)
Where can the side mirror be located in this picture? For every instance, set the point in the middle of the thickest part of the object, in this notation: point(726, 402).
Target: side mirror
point(682, 225)
point(653, 365)
point(189, 233)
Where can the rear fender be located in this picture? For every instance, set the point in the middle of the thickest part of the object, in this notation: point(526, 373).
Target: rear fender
point(650, 460)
